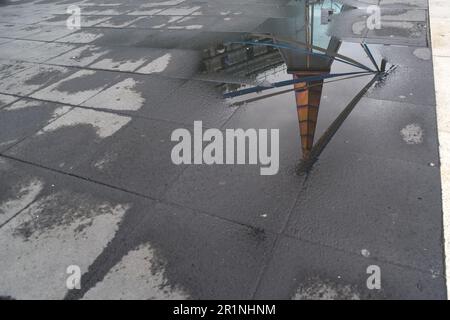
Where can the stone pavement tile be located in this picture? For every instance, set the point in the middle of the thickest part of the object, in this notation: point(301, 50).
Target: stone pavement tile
point(6, 99)
point(18, 31)
point(121, 21)
point(167, 39)
point(192, 23)
point(205, 104)
point(70, 139)
point(49, 33)
point(412, 80)
point(257, 10)
point(81, 56)
point(105, 10)
point(31, 79)
point(18, 49)
point(126, 59)
point(137, 159)
point(179, 10)
point(24, 118)
point(396, 216)
point(53, 221)
point(133, 94)
point(175, 63)
point(404, 3)
point(202, 40)
point(10, 67)
point(237, 24)
point(191, 255)
point(154, 22)
point(5, 40)
point(77, 87)
point(239, 192)
point(120, 37)
point(82, 36)
point(391, 130)
point(61, 20)
point(45, 52)
point(399, 33)
point(301, 270)
point(145, 11)
point(388, 14)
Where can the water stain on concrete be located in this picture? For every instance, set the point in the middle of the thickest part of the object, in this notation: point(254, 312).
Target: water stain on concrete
point(412, 134)
point(105, 124)
point(138, 275)
point(318, 289)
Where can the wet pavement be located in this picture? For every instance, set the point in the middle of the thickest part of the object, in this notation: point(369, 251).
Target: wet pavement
point(87, 179)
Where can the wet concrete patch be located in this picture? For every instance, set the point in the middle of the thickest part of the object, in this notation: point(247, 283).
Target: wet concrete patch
point(195, 254)
point(390, 129)
point(137, 159)
point(6, 99)
point(383, 216)
point(54, 145)
point(136, 277)
point(77, 87)
point(31, 79)
point(69, 223)
point(302, 270)
point(205, 104)
point(24, 118)
point(134, 94)
point(81, 56)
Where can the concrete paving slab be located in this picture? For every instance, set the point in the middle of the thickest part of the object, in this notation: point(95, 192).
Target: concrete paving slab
point(82, 36)
point(62, 222)
point(77, 87)
point(13, 31)
point(137, 159)
point(49, 33)
point(411, 81)
point(124, 59)
point(155, 22)
point(174, 63)
point(53, 145)
point(10, 67)
point(24, 118)
point(31, 79)
point(6, 99)
point(196, 253)
point(408, 131)
point(81, 56)
point(61, 20)
point(45, 52)
point(205, 104)
point(121, 21)
point(302, 271)
point(18, 49)
point(342, 214)
point(134, 94)
point(263, 201)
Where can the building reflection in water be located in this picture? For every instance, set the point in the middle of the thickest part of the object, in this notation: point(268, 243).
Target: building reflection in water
point(301, 46)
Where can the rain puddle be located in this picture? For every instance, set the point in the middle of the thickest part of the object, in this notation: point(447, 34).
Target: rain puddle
point(320, 59)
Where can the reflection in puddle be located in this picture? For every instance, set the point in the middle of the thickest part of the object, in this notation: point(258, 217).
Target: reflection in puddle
point(294, 56)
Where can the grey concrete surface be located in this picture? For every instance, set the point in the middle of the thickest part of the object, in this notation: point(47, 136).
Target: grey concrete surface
point(86, 177)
